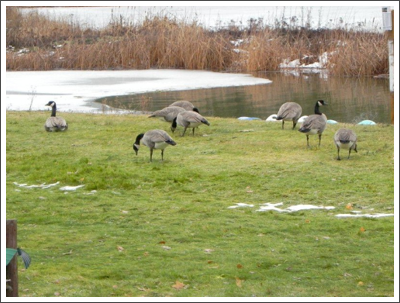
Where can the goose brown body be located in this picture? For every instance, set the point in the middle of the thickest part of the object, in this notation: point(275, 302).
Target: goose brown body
point(154, 139)
point(54, 123)
point(345, 138)
point(188, 119)
point(315, 124)
point(186, 105)
point(289, 111)
point(168, 114)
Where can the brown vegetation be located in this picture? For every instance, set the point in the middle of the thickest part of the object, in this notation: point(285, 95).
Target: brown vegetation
point(36, 43)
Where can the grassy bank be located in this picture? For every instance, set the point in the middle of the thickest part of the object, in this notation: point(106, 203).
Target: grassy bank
point(160, 229)
point(160, 41)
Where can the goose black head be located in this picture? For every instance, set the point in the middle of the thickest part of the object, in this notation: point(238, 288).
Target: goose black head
point(173, 125)
point(136, 145)
point(135, 148)
point(317, 105)
point(53, 106)
point(50, 103)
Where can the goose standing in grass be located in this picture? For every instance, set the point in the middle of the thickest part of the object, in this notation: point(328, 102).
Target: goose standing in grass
point(188, 119)
point(53, 123)
point(168, 114)
point(154, 139)
point(315, 124)
point(186, 105)
point(289, 111)
point(345, 138)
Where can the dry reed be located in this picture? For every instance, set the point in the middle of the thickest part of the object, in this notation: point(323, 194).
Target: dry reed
point(36, 43)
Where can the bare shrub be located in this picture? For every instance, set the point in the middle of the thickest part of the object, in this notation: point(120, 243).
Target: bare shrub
point(161, 41)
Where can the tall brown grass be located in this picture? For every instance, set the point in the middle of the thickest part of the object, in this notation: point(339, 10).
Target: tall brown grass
point(165, 42)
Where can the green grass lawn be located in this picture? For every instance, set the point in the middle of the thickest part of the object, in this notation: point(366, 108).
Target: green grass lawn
point(158, 229)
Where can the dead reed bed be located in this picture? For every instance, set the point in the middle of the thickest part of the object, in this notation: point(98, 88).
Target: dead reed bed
point(37, 43)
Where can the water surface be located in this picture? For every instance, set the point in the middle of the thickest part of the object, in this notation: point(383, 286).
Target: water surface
point(350, 100)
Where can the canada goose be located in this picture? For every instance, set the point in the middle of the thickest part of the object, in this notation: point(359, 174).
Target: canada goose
point(186, 105)
point(188, 119)
point(345, 138)
point(168, 114)
point(289, 111)
point(314, 124)
point(154, 139)
point(53, 123)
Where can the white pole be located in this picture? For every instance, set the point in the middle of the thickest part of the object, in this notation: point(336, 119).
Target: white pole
point(391, 65)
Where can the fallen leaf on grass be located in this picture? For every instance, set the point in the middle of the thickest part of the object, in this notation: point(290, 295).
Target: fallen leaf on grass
point(238, 282)
point(349, 206)
point(120, 248)
point(166, 247)
point(239, 266)
point(178, 285)
point(208, 250)
point(361, 283)
point(362, 229)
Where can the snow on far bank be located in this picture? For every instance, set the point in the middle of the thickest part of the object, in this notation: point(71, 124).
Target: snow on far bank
point(75, 91)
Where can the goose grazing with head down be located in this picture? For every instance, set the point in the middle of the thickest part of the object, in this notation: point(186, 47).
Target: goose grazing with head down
point(154, 139)
point(345, 138)
point(186, 105)
point(53, 123)
point(168, 114)
point(289, 111)
point(315, 124)
point(188, 119)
